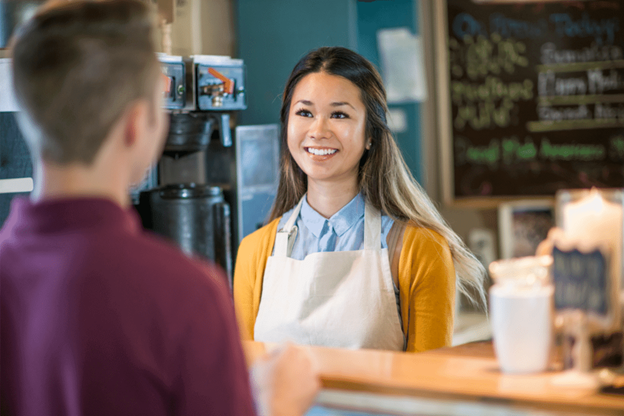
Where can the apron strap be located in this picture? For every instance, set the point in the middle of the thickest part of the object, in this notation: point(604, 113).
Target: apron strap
point(285, 237)
point(372, 228)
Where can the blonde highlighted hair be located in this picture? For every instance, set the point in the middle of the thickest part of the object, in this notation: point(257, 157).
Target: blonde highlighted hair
point(384, 179)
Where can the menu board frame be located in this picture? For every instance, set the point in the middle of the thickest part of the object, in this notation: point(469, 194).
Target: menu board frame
point(445, 122)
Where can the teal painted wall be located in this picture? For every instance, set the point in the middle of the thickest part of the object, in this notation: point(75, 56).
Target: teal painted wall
point(386, 14)
point(272, 36)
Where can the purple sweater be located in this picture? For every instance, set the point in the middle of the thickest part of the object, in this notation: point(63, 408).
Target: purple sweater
point(99, 318)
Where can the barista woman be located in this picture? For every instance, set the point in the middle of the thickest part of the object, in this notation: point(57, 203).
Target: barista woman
point(355, 255)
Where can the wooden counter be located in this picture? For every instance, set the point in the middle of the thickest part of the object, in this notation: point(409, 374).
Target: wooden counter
point(466, 376)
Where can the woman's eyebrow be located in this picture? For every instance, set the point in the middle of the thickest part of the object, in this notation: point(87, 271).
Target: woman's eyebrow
point(341, 103)
point(304, 102)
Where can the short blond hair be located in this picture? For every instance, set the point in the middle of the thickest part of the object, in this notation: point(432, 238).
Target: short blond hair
point(77, 66)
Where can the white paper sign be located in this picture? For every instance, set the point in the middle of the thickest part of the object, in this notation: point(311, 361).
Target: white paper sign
point(7, 98)
point(403, 65)
point(397, 120)
point(9, 186)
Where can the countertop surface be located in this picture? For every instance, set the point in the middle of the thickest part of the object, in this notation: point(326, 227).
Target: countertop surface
point(468, 372)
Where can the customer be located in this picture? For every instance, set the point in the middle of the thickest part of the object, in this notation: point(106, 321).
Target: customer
point(97, 317)
point(356, 255)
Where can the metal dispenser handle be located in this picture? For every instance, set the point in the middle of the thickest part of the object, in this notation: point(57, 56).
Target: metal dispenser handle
point(224, 130)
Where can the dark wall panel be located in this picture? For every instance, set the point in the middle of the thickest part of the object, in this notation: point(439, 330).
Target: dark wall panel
point(14, 158)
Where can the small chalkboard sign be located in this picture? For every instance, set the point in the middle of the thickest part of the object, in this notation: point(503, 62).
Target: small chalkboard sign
point(532, 97)
point(581, 281)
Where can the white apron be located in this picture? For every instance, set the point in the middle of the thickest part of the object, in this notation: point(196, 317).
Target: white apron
point(342, 299)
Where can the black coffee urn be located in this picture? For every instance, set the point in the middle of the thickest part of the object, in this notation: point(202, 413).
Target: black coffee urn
point(188, 196)
point(196, 217)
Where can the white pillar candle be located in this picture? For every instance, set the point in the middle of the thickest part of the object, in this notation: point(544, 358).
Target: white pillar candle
point(594, 220)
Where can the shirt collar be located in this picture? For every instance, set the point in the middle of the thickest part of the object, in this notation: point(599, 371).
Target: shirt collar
point(341, 221)
point(71, 214)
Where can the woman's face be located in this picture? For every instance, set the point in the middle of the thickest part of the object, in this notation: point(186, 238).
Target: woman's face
point(326, 127)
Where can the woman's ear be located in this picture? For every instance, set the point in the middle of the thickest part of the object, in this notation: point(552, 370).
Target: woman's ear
point(369, 144)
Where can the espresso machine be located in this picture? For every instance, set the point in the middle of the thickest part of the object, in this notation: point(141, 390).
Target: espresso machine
point(189, 196)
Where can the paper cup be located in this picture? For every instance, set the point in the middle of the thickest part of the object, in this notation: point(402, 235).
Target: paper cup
point(522, 327)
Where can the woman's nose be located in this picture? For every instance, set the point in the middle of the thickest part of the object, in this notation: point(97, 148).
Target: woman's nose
point(319, 128)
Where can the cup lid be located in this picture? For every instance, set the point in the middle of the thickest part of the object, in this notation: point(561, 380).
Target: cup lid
point(528, 271)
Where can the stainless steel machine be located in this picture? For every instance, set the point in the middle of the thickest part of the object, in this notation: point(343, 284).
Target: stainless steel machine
point(188, 196)
point(210, 188)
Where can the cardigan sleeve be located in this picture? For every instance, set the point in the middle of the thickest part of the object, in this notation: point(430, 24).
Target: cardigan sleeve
point(251, 260)
point(426, 289)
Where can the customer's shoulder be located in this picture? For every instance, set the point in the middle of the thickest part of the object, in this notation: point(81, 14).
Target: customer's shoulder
point(166, 263)
point(172, 283)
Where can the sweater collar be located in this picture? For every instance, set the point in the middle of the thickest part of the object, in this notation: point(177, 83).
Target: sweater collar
point(70, 215)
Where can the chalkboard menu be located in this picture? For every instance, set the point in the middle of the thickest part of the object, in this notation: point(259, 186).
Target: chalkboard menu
point(536, 94)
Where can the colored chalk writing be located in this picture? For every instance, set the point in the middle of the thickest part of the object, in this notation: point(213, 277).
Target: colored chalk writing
point(537, 96)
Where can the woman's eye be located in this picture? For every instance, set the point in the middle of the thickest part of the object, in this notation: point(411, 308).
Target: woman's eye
point(303, 113)
point(339, 114)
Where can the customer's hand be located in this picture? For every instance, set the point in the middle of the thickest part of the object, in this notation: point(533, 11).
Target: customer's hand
point(285, 382)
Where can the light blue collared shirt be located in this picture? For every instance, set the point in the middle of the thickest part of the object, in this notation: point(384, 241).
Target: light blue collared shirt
point(344, 231)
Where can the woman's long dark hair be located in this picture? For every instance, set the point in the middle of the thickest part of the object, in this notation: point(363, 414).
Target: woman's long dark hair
point(383, 177)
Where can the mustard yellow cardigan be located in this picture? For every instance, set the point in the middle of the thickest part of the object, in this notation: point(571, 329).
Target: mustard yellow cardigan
point(426, 285)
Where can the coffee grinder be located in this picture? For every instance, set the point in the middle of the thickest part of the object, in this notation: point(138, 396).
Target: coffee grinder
point(187, 196)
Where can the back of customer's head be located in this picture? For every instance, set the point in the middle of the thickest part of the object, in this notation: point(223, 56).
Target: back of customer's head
point(77, 66)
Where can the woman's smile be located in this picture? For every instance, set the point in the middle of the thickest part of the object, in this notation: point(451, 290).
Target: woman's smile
point(320, 151)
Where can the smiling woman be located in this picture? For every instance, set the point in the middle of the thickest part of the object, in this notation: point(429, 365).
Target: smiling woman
point(355, 255)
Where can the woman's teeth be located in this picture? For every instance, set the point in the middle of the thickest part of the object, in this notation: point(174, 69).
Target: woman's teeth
point(321, 152)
